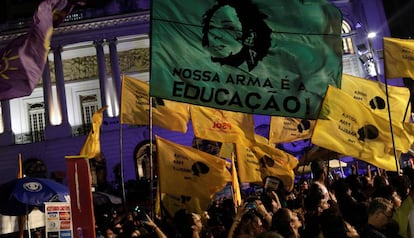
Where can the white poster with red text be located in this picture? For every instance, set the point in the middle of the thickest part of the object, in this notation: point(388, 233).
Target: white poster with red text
point(58, 220)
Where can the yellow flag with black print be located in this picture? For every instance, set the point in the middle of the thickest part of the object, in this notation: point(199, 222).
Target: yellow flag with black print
point(186, 171)
point(135, 107)
point(373, 95)
point(350, 128)
point(248, 166)
point(276, 163)
point(288, 129)
point(399, 58)
point(259, 160)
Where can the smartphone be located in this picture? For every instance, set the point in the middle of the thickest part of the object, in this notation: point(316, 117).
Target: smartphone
point(251, 205)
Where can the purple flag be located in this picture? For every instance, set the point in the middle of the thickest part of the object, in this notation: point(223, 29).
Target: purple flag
point(23, 59)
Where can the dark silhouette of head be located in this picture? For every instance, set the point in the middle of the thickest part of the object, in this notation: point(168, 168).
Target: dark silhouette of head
point(281, 222)
point(255, 36)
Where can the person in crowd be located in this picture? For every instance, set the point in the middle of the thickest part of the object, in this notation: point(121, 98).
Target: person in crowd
point(188, 225)
point(380, 180)
point(320, 178)
point(333, 225)
point(109, 233)
point(402, 213)
point(315, 204)
point(388, 192)
point(286, 222)
point(269, 234)
point(356, 186)
point(222, 217)
point(402, 185)
point(302, 192)
point(247, 223)
point(380, 212)
point(270, 196)
point(153, 227)
point(353, 211)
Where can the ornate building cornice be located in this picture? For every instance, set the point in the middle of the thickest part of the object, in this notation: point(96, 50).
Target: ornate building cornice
point(83, 30)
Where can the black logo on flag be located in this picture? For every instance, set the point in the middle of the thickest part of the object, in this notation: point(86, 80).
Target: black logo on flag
point(368, 132)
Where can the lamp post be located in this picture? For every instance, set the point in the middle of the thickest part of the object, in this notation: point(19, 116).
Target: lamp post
point(369, 58)
point(369, 37)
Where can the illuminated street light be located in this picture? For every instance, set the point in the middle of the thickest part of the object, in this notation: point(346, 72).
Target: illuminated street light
point(372, 35)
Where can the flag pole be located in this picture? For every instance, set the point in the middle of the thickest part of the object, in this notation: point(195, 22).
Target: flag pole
point(121, 164)
point(121, 160)
point(391, 127)
point(408, 105)
point(237, 200)
point(21, 219)
point(389, 111)
point(151, 160)
point(342, 168)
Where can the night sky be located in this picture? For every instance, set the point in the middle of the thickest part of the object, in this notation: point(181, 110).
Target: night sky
point(400, 14)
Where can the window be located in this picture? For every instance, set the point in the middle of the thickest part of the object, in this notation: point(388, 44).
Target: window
point(37, 121)
point(142, 160)
point(348, 47)
point(89, 105)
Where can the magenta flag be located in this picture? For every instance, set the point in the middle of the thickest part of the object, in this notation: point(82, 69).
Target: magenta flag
point(23, 59)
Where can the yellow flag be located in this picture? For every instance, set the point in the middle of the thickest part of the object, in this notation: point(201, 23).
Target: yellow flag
point(348, 127)
point(135, 104)
point(373, 95)
point(172, 203)
point(235, 183)
point(92, 147)
point(185, 171)
point(287, 129)
point(226, 150)
point(277, 163)
point(259, 160)
point(248, 165)
point(224, 126)
point(399, 58)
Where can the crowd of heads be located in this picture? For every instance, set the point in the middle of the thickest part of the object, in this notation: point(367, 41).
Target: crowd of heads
point(373, 204)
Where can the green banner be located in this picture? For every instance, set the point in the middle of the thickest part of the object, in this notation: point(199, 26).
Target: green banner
point(253, 56)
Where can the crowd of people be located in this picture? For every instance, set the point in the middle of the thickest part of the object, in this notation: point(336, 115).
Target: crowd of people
point(368, 205)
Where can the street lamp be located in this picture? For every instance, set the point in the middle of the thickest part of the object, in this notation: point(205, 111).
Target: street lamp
point(367, 57)
point(371, 35)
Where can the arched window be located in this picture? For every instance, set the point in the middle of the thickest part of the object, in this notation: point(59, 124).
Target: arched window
point(37, 121)
point(347, 45)
point(142, 160)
